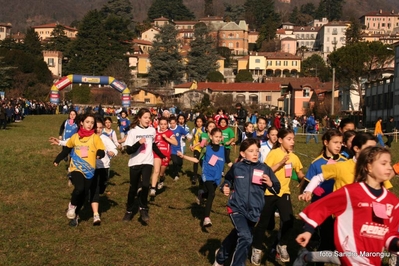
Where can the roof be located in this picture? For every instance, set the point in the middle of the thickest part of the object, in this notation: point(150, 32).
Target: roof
point(211, 18)
point(253, 33)
point(233, 87)
point(279, 55)
point(143, 42)
point(161, 19)
point(280, 31)
point(8, 25)
point(380, 13)
point(231, 26)
point(186, 22)
point(288, 39)
point(337, 23)
point(306, 28)
point(287, 80)
point(53, 25)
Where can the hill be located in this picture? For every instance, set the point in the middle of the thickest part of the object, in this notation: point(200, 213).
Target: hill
point(25, 13)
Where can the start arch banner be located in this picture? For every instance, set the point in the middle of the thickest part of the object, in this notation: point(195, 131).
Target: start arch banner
point(82, 79)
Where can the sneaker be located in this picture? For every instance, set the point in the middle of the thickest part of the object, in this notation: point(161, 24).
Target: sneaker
point(199, 198)
point(282, 253)
point(276, 214)
point(74, 222)
point(176, 178)
point(153, 192)
point(71, 211)
point(256, 256)
point(160, 185)
point(207, 222)
point(216, 263)
point(300, 260)
point(96, 219)
point(144, 215)
point(128, 216)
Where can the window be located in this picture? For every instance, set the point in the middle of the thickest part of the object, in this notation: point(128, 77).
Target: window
point(237, 45)
point(237, 36)
point(270, 63)
point(306, 92)
point(230, 45)
point(145, 93)
point(305, 105)
point(1, 29)
point(294, 63)
point(147, 101)
point(268, 98)
point(285, 63)
point(224, 44)
point(50, 62)
point(257, 60)
point(278, 63)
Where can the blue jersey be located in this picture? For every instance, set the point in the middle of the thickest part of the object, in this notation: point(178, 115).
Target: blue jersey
point(179, 132)
point(315, 169)
point(70, 128)
point(124, 124)
point(213, 172)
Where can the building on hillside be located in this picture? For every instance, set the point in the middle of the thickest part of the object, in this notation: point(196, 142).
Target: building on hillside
point(289, 45)
point(262, 94)
point(380, 21)
point(252, 37)
point(257, 66)
point(385, 38)
point(53, 60)
point(5, 31)
point(319, 23)
point(382, 96)
point(149, 35)
point(306, 37)
point(185, 30)
point(235, 37)
point(141, 46)
point(160, 22)
point(332, 37)
point(44, 31)
point(18, 37)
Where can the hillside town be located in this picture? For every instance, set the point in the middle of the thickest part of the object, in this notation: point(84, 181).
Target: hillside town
point(276, 81)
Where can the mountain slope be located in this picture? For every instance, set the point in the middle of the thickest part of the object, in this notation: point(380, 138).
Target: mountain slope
point(25, 13)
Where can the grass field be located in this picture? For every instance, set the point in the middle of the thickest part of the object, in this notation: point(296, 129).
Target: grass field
point(34, 196)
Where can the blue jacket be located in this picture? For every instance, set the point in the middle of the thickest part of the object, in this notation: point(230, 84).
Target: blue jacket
point(310, 125)
point(246, 197)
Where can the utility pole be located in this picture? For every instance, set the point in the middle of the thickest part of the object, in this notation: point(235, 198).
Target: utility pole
point(332, 92)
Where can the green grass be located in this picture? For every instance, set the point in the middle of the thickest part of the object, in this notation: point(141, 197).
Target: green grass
point(34, 196)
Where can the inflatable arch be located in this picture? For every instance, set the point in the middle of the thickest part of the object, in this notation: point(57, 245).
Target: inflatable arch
point(101, 80)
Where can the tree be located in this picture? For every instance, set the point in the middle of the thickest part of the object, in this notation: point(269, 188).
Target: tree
point(171, 9)
point(244, 76)
point(225, 52)
point(353, 33)
point(259, 13)
point(166, 61)
point(308, 9)
point(202, 57)
point(59, 41)
point(215, 76)
point(32, 43)
point(233, 12)
point(122, 9)
point(299, 18)
point(315, 66)
point(119, 69)
point(6, 76)
point(208, 9)
point(331, 9)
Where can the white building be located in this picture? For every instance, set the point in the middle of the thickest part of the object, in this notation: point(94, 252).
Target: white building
point(5, 31)
point(332, 37)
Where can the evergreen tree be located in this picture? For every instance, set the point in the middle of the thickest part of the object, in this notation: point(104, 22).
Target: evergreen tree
point(208, 10)
point(268, 30)
point(330, 9)
point(261, 12)
point(59, 41)
point(203, 55)
point(6, 76)
point(244, 76)
point(315, 66)
point(171, 9)
point(294, 15)
point(32, 43)
point(321, 11)
point(233, 12)
point(166, 61)
point(308, 9)
point(353, 33)
point(120, 8)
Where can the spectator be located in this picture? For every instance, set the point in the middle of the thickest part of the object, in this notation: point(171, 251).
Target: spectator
point(240, 117)
point(311, 129)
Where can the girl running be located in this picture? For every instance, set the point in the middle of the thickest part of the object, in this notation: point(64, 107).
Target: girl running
point(282, 161)
point(140, 144)
point(246, 201)
point(177, 162)
point(163, 139)
point(228, 138)
point(109, 132)
point(248, 131)
point(346, 149)
point(363, 211)
point(212, 168)
point(68, 128)
point(181, 120)
point(124, 124)
point(195, 146)
point(85, 147)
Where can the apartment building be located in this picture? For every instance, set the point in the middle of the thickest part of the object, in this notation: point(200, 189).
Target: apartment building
point(44, 31)
point(377, 21)
point(53, 60)
point(306, 36)
point(332, 37)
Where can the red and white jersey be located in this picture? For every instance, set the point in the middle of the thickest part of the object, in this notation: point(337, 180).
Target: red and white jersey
point(359, 230)
point(217, 118)
point(162, 144)
point(393, 228)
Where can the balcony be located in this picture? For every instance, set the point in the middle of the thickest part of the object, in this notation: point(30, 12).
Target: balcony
point(334, 32)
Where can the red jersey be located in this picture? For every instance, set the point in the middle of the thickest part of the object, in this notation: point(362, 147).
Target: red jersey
point(359, 230)
point(162, 144)
point(393, 228)
point(217, 118)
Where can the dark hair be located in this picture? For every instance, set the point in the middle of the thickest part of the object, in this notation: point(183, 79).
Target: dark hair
point(215, 130)
point(163, 118)
point(83, 118)
point(245, 144)
point(328, 136)
point(345, 121)
point(220, 109)
point(123, 111)
point(361, 138)
point(208, 123)
point(247, 124)
point(99, 119)
point(271, 128)
point(107, 119)
point(261, 118)
point(348, 134)
point(367, 156)
point(282, 133)
point(182, 116)
point(223, 118)
point(76, 114)
point(173, 118)
point(198, 118)
point(139, 114)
